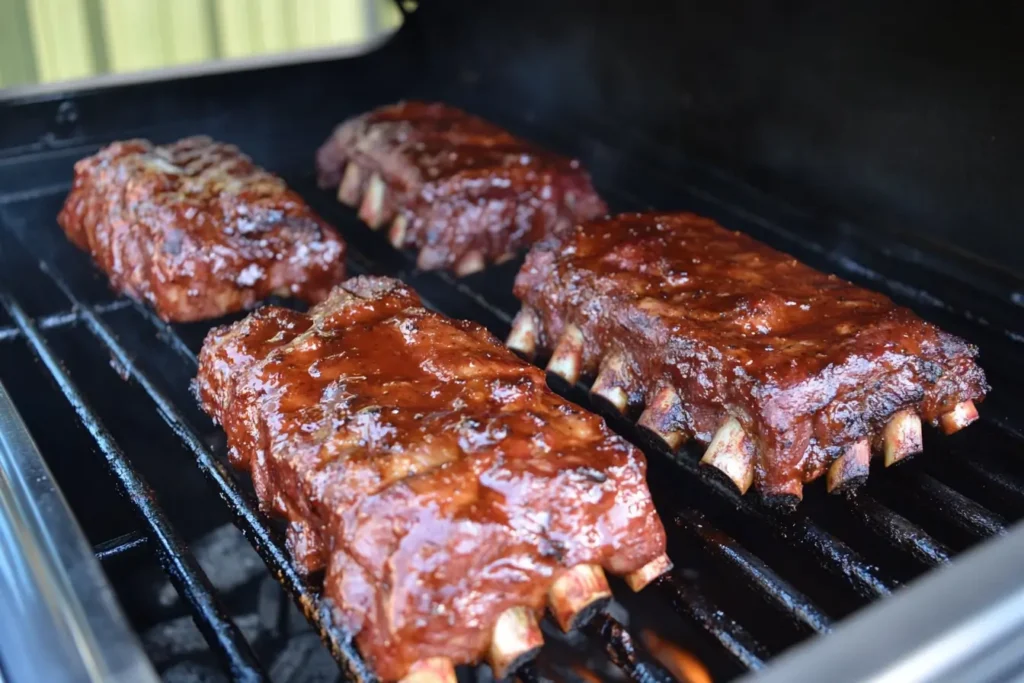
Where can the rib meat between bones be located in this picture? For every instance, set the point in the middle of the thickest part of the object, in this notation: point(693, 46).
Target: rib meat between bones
point(197, 229)
point(786, 372)
point(445, 489)
point(461, 190)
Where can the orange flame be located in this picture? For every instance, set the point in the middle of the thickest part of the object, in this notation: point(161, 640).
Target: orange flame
point(678, 661)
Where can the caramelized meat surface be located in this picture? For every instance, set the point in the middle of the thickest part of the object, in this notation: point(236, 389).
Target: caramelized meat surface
point(429, 470)
point(197, 229)
point(461, 190)
point(786, 370)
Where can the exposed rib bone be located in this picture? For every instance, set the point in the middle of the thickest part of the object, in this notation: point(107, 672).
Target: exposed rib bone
point(662, 417)
point(398, 230)
point(963, 414)
point(577, 595)
point(568, 356)
point(612, 381)
point(504, 258)
point(516, 640)
point(901, 437)
point(523, 337)
point(471, 262)
point(639, 579)
point(850, 469)
point(431, 670)
point(785, 495)
point(373, 209)
point(732, 454)
point(351, 189)
point(431, 258)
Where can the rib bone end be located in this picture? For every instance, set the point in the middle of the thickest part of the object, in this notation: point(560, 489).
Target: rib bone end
point(516, 639)
point(431, 670)
point(850, 469)
point(472, 262)
point(662, 417)
point(732, 454)
point(578, 595)
point(398, 230)
point(567, 359)
point(901, 437)
point(611, 382)
point(523, 337)
point(639, 579)
point(349, 192)
point(372, 210)
point(963, 414)
point(431, 258)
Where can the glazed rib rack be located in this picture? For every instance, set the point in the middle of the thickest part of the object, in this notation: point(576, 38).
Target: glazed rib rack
point(749, 582)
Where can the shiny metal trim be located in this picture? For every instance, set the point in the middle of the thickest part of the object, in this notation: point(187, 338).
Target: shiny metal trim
point(963, 622)
point(60, 620)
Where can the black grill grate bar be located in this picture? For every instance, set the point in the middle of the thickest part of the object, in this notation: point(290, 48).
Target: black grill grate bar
point(690, 602)
point(955, 508)
point(776, 590)
point(120, 545)
point(222, 634)
point(246, 512)
point(618, 645)
point(63, 319)
point(898, 531)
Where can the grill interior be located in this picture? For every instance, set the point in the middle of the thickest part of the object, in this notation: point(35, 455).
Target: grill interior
point(102, 381)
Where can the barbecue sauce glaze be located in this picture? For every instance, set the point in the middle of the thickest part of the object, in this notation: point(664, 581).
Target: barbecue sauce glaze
point(807, 362)
point(428, 469)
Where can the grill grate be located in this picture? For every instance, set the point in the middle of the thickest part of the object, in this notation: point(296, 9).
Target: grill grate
point(807, 569)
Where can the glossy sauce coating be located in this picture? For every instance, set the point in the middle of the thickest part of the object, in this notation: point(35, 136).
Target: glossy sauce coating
point(461, 183)
point(427, 468)
point(807, 362)
point(198, 230)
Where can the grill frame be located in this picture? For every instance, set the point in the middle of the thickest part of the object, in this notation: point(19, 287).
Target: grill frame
point(651, 182)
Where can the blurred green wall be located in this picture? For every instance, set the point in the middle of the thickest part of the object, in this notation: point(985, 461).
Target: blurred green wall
point(55, 40)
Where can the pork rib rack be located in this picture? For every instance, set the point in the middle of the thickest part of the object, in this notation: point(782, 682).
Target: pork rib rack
point(461, 190)
point(445, 489)
point(787, 373)
point(197, 229)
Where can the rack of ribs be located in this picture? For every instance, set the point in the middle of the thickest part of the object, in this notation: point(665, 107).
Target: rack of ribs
point(197, 229)
point(461, 190)
point(446, 490)
point(785, 372)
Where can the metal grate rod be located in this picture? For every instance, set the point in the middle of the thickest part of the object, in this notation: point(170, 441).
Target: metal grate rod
point(120, 545)
point(898, 531)
point(955, 508)
point(220, 631)
point(246, 512)
point(688, 601)
point(755, 572)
